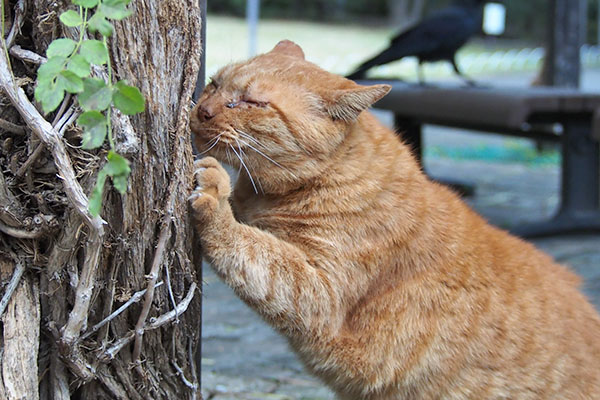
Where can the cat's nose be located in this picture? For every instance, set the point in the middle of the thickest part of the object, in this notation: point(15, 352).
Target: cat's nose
point(204, 113)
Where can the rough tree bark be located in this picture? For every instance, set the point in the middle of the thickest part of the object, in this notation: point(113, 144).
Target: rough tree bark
point(64, 274)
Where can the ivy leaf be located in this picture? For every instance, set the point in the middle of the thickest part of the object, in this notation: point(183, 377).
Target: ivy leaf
point(95, 201)
point(79, 66)
point(117, 164)
point(95, 96)
point(70, 82)
point(98, 23)
point(50, 94)
point(61, 47)
point(70, 18)
point(118, 168)
point(128, 99)
point(94, 51)
point(51, 68)
point(94, 129)
point(120, 183)
point(115, 9)
point(85, 3)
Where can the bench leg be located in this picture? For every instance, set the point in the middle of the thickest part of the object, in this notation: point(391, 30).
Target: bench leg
point(579, 210)
point(411, 133)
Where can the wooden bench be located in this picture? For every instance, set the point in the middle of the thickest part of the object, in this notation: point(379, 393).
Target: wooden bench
point(568, 116)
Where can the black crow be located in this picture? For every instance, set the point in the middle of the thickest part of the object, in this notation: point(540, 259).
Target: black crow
point(436, 38)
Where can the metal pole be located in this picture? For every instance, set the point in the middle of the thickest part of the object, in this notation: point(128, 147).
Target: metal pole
point(583, 21)
point(565, 40)
point(252, 11)
point(598, 28)
point(199, 88)
point(202, 73)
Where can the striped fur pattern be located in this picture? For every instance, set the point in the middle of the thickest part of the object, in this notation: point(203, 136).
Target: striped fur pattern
point(386, 284)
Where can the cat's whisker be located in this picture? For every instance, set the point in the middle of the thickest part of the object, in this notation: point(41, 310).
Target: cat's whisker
point(228, 155)
point(245, 167)
point(268, 158)
point(244, 155)
point(249, 137)
point(240, 167)
point(261, 153)
point(216, 140)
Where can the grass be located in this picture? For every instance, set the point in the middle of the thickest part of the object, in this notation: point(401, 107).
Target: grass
point(340, 47)
point(510, 152)
point(227, 39)
point(335, 47)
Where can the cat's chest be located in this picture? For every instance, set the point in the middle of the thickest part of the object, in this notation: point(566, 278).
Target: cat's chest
point(245, 211)
point(269, 214)
point(250, 209)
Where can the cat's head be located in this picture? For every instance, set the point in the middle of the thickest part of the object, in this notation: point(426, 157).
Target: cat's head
point(277, 112)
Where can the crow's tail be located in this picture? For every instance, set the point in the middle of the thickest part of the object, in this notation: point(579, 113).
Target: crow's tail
point(386, 56)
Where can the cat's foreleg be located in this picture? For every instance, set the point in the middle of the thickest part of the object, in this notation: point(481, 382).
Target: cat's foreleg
point(271, 275)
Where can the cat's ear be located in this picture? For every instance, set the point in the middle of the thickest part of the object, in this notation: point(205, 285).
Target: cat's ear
point(347, 104)
point(288, 48)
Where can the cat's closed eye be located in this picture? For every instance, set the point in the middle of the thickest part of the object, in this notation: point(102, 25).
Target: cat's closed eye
point(246, 103)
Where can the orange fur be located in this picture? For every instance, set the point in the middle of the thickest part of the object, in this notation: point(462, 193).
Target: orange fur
point(386, 284)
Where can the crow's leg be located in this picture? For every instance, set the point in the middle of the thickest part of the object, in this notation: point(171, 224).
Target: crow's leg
point(467, 80)
point(421, 74)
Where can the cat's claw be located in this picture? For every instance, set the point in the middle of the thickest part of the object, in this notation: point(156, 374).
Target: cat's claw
point(199, 169)
point(197, 193)
point(212, 190)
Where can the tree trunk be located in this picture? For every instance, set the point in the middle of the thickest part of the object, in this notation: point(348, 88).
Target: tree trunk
point(77, 270)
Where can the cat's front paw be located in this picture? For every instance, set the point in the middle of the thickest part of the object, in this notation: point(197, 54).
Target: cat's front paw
point(212, 190)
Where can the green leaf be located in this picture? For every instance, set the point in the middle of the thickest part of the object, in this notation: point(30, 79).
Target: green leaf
point(117, 164)
point(40, 90)
point(94, 129)
point(79, 66)
point(50, 94)
point(86, 3)
point(95, 96)
point(119, 170)
point(94, 51)
point(70, 18)
point(70, 82)
point(51, 68)
point(120, 183)
point(61, 47)
point(98, 23)
point(95, 201)
point(128, 99)
point(114, 9)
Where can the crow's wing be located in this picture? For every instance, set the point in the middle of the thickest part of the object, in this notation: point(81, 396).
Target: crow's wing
point(443, 32)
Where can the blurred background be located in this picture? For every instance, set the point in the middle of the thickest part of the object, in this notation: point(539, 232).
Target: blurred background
point(338, 34)
point(516, 180)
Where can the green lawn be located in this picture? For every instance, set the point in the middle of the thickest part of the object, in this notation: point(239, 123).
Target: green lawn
point(227, 40)
point(338, 48)
point(335, 47)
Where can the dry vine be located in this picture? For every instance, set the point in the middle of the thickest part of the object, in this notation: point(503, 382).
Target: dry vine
point(69, 259)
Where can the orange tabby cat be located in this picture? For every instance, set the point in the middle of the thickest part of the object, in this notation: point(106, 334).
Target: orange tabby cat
point(386, 284)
